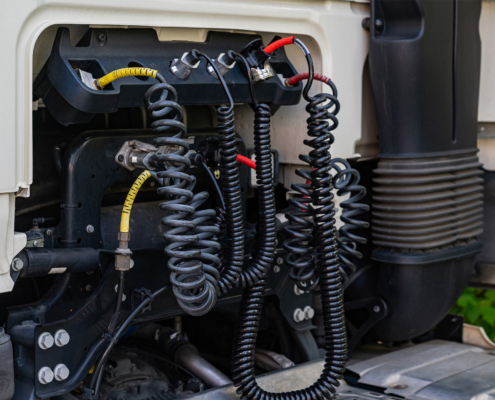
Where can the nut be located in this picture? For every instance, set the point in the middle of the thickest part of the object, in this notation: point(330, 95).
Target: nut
point(90, 229)
point(61, 372)
point(376, 309)
point(309, 313)
point(276, 269)
point(45, 340)
point(45, 375)
point(299, 315)
point(280, 261)
point(61, 338)
point(17, 264)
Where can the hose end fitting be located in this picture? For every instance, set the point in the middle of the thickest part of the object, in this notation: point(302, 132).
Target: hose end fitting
point(181, 68)
point(123, 261)
point(225, 62)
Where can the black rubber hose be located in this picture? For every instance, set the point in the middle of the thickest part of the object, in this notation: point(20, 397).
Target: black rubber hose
point(98, 372)
point(319, 209)
point(120, 293)
point(231, 188)
point(266, 228)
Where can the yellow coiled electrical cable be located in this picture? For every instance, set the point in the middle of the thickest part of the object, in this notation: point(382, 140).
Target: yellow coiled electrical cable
point(123, 72)
point(129, 201)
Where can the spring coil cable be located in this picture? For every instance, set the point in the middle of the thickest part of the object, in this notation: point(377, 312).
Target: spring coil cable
point(346, 181)
point(266, 228)
point(327, 266)
point(231, 188)
point(190, 240)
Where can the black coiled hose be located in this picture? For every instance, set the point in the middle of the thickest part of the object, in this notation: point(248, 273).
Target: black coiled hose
point(266, 228)
point(192, 261)
point(231, 188)
point(320, 212)
point(346, 181)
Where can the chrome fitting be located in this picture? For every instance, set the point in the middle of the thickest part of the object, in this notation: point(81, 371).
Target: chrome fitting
point(262, 74)
point(224, 63)
point(88, 79)
point(181, 68)
point(135, 154)
point(123, 254)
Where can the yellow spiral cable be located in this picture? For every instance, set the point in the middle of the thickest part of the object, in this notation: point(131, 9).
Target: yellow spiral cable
point(129, 201)
point(123, 72)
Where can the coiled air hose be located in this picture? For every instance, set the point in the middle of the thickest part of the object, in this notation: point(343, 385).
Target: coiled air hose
point(313, 222)
point(231, 187)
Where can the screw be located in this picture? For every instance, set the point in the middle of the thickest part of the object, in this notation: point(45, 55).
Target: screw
point(90, 229)
point(276, 269)
point(299, 315)
point(216, 173)
point(101, 37)
point(49, 232)
point(17, 264)
point(379, 25)
point(298, 291)
point(376, 309)
point(88, 288)
point(61, 372)
point(280, 261)
point(45, 340)
point(35, 243)
point(61, 338)
point(309, 313)
point(398, 386)
point(152, 184)
point(120, 158)
point(45, 375)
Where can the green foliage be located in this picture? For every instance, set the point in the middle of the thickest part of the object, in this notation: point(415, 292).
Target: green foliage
point(478, 308)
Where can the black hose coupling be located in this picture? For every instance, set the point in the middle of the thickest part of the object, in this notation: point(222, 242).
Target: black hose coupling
point(224, 63)
point(258, 61)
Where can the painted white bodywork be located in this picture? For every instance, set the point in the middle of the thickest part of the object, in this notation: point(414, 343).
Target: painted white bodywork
point(332, 29)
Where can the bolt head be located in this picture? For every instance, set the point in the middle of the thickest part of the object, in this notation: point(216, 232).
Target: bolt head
point(120, 158)
point(62, 338)
point(17, 264)
point(276, 269)
point(309, 313)
point(90, 229)
point(376, 309)
point(49, 232)
point(61, 372)
point(45, 340)
point(88, 288)
point(35, 243)
point(298, 291)
point(280, 260)
point(299, 315)
point(45, 375)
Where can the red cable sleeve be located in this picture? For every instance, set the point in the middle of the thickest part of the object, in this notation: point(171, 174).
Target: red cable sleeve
point(304, 75)
point(279, 43)
point(246, 161)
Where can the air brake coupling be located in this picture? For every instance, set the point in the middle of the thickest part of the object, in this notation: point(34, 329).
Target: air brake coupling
point(123, 261)
point(225, 62)
point(258, 61)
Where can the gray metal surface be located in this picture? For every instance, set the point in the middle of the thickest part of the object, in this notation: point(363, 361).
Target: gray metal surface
point(295, 378)
point(435, 370)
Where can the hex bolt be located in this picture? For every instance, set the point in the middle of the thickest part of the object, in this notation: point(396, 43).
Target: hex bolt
point(376, 309)
point(61, 372)
point(120, 158)
point(280, 261)
point(35, 243)
point(49, 232)
point(276, 269)
point(45, 375)
point(299, 315)
point(89, 288)
point(45, 340)
point(17, 264)
point(309, 313)
point(90, 229)
point(298, 291)
point(61, 338)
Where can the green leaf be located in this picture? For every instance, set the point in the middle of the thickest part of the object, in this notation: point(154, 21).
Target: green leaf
point(472, 313)
point(465, 299)
point(490, 294)
point(488, 315)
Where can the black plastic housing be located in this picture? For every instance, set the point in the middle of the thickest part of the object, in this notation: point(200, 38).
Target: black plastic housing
point(102, 51)
point(424, 60)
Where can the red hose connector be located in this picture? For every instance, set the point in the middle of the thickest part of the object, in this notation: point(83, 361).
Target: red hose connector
point(279, 43)
point(246, 161)
point(304, 75)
